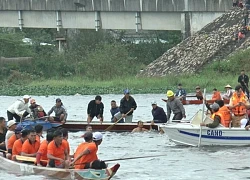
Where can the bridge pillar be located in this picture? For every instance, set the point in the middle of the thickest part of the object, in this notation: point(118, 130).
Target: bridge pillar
point(20, 20)
point(185, 25)
point(137, 21)
point(97, 20)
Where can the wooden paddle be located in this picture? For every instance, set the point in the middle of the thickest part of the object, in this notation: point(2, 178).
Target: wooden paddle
point(110, 127)
point(29, 159)
point(122, 159)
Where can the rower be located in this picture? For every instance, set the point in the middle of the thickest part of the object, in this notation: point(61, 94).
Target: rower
point(217, 117)
point(39, 132)
point(95, 109)
point(127, 107)
point(86, 152)
point(140, 127)
point(57, 152)
point(11, 125)
point(42, 152)
point(3, 131)
point(12, 140)
point(60, 112)
point(114, 109)
point(19, 109)
point(31, 145)
point(175, 105)
point(17, 147)
point(65, 138)
point(181, 93)
point(238, 104)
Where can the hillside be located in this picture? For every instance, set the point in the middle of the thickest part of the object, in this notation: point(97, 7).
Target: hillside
point(213, 42)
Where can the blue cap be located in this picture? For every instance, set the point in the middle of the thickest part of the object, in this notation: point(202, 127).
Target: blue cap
point(18, 129)
point(126, 91)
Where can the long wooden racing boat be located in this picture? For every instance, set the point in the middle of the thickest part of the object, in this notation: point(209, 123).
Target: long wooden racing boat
point(83, 174)
point(119, 127)
point(195, 101)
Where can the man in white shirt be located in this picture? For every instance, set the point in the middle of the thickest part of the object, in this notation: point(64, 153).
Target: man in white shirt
point(11, 125)
point(19, 109)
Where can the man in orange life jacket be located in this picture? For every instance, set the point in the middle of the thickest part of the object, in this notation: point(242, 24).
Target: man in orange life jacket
point(238, 104)
point(217, 117)
point(225, 112)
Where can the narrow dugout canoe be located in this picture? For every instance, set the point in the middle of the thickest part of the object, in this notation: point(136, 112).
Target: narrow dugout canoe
point(119, 127)
point(83, 174)
point(195, 101)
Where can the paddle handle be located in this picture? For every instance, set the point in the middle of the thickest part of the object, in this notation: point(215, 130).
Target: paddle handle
point(110, 127)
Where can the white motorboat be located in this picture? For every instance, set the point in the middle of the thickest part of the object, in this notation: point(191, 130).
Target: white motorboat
point(188, 134)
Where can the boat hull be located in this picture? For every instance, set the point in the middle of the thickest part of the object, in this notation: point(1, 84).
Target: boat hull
point(188, 134)
point(119, 127)
point(30, 124)
point(195, 101)
point(26, 169)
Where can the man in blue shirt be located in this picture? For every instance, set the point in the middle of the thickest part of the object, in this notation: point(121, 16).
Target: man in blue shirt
point(114, 109)
point(181, 93)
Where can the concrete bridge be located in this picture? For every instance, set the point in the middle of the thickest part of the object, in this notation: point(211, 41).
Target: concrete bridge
point(186, 15)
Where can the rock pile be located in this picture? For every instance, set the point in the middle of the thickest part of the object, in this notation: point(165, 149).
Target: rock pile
point(192, 53)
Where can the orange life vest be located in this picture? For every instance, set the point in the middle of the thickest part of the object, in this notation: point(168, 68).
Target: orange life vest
point(216, 96)
point(223, 121)
point(224, 111)
point(239, 110)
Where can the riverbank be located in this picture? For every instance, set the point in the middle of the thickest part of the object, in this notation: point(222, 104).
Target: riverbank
point(70, 86)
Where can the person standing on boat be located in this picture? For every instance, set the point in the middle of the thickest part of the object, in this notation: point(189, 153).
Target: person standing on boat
point(95, 109)
point(42, 152)
point(19, 109)
point(174, 105)
point(244, 80)
point(57, 152)
point(3, 131)
point(198, 93)
point(181, 93)
point(217, 117)
point(140, 127)
point(37, 110)
point(18, 144)
point(127, 107)
point(114, 109)
point(31, 145)
point(229, 93)
point(159, 116)
point(60, 112)
point(238, 104)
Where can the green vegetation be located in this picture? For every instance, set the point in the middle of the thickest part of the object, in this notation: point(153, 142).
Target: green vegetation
point(98, 63)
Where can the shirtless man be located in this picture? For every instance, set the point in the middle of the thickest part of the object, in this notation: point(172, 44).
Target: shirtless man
point(139, 128)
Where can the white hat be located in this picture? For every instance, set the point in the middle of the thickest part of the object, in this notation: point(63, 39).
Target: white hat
point(97, 136)
point(228, 86)
point(26, 97)
point(11, 123)
point(243, 123)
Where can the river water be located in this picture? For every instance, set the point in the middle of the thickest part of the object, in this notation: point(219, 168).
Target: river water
point(180, 163)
